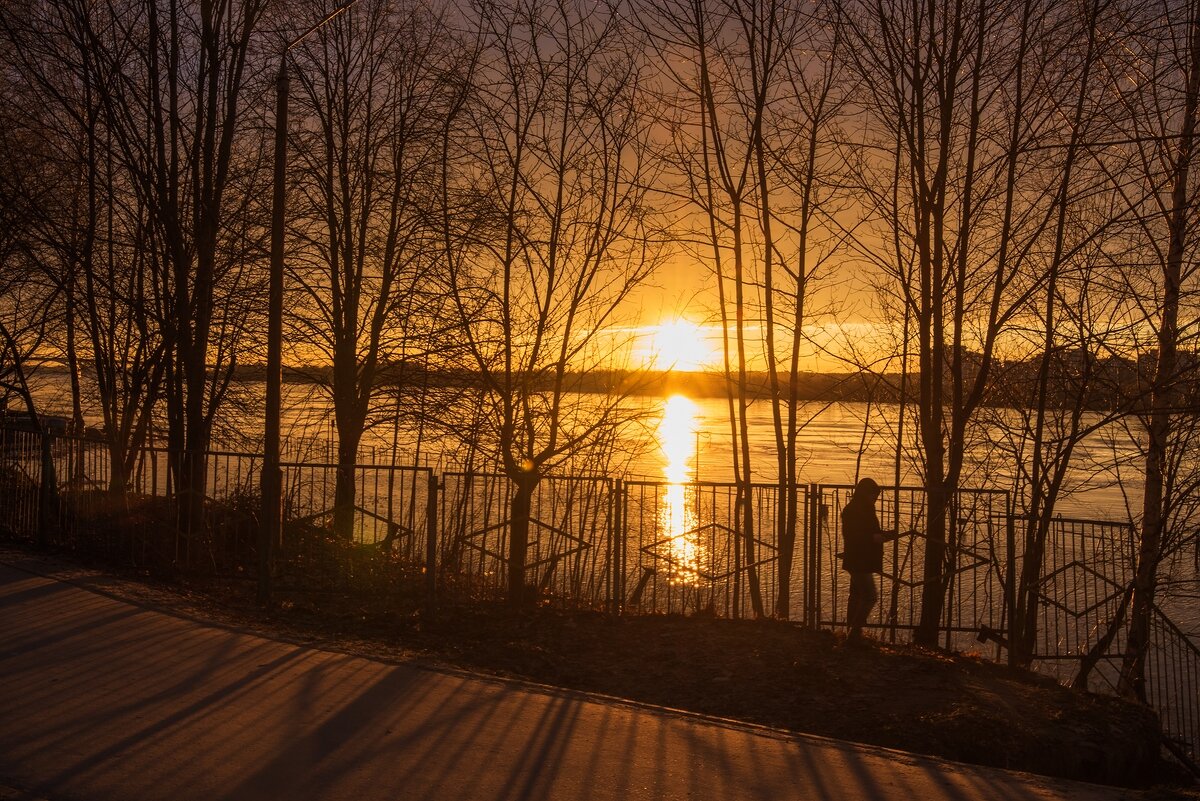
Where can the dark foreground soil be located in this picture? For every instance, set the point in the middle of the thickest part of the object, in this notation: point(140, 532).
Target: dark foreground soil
point(765, 672)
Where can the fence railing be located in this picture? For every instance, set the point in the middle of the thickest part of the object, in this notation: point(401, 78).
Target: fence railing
point(691, 548)
point(571, 550)
point(977, 544)
point(637, 546)
point(1086, 569)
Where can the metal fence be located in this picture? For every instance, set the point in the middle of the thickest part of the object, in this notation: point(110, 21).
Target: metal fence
point(572, 531)
point(603, 543)
point(1087, 566)
point(691, 548)
point(386, 533)
point(976, 525)
point(1172, 688)
point(77, 510)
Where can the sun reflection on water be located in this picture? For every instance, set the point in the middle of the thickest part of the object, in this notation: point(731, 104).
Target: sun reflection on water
point(677, 516)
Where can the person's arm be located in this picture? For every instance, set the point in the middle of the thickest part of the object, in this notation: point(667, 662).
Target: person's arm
point(879, 534)
point(893, 534)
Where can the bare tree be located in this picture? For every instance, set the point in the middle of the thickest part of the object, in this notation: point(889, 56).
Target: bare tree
point(1070, 343)
point(93, 229)
point(554, 170)
point(755, 88)
point(374, 93)
point(955, 110)
point(1157, 89)
point(27, 299)
point(175, 111)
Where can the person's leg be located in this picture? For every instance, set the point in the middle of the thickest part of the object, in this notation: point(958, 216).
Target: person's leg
point(862, 600)
point(870, 595)
point(852, 605)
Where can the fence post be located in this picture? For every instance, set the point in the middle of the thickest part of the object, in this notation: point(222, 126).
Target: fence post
point(812, 567)
point(270, 530)
point(431, 533)
point(1010, 596)
point(47, 491)
point(620, 537)
point(610, 596)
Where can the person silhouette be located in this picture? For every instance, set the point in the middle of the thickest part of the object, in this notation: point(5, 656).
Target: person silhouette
point(862, 554)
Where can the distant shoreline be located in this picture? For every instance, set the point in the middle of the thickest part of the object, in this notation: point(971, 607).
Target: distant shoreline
point(1118, 379)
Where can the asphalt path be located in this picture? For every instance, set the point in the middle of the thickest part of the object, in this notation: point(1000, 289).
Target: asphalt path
point(102, 699)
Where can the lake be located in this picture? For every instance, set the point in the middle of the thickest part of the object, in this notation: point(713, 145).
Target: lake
point(685, 439)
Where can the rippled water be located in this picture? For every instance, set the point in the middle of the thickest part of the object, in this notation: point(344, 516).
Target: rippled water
point(841, 442)
point(838, 443)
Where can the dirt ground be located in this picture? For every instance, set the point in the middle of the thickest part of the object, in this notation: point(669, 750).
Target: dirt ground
point(770, 673)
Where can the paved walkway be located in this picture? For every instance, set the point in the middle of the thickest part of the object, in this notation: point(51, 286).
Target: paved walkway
point(101, 699)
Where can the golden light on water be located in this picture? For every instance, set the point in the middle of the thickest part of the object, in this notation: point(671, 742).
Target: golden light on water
point(677, 437)
point(677, 518)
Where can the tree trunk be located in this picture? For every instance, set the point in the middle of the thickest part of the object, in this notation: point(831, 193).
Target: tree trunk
point(118, 476)
point(193, 482)
point(1162, 395)
point(1145, 583)
point(344, 491)
point(1023, 622)
point(746, 479)
point(192, 490)
point(518, 536)
point(933, 587)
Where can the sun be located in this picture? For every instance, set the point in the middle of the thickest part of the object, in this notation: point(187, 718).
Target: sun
point(680, 345)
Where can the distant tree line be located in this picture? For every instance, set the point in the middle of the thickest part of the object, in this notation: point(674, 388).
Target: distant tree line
point(1002, 193)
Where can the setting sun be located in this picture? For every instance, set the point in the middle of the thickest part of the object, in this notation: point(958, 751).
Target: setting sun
point(680, 345)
